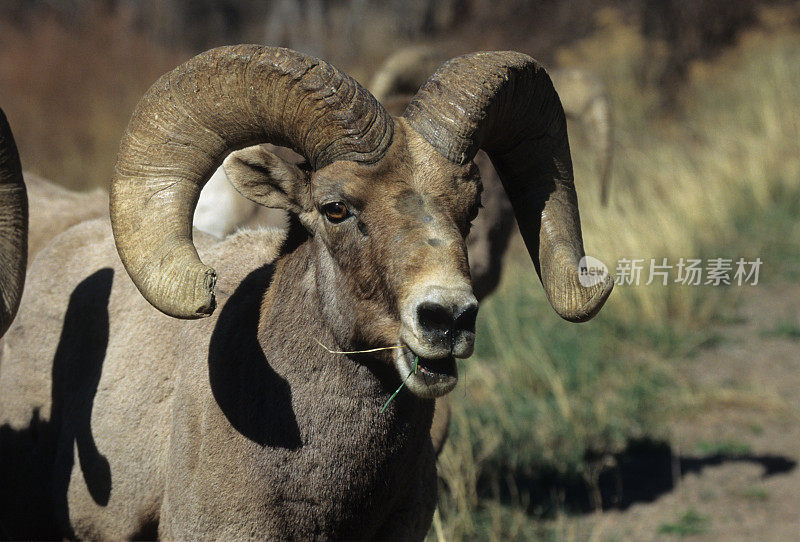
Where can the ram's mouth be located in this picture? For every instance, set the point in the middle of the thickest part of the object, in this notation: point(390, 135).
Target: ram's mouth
point(426, 377)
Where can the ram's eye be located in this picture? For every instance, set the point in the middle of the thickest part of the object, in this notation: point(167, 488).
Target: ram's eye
point(335, 212)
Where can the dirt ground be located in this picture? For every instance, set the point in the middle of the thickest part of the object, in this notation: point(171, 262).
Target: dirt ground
point(732, 471)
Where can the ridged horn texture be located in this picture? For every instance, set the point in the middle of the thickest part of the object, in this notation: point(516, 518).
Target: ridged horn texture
point(505, 104)
point(13, 227)
point(190, 119)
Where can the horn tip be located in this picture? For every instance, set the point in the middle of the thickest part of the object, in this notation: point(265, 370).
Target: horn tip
point(204, 299)
point(592, 300)
point(209, 304)
point(197, 301)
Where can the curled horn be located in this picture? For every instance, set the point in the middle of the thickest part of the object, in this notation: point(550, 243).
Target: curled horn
point(13, 227)
point(505, 104)
point(190, 119)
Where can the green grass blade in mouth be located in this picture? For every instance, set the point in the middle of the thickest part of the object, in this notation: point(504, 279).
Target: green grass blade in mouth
point(414, 371)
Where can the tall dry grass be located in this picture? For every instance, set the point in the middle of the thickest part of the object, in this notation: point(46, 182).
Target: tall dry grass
point(680, 183)
point(719, 178)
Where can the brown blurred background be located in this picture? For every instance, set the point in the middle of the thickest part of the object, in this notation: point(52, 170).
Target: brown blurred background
point(71, 71)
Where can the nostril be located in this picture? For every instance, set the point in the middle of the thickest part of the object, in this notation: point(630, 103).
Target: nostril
point(433, 317)
point(465, 320)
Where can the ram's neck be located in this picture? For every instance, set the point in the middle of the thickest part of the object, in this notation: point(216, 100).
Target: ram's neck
point(324, 412)
point(296, 333)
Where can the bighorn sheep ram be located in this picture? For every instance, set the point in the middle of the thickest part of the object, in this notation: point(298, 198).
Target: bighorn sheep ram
point(221, 210)
point(240, 425)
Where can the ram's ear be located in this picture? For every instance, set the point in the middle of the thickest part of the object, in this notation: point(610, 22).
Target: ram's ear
point(269, 180)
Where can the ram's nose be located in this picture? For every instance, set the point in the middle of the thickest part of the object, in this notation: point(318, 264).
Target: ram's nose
point(445, 321)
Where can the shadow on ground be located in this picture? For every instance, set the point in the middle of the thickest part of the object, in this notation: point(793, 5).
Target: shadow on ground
point(643, 472)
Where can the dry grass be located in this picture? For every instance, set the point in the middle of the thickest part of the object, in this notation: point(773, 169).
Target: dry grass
point(545, 396)
point(681, 183)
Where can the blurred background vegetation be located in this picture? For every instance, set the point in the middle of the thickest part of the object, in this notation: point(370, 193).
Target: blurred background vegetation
point(553, 423)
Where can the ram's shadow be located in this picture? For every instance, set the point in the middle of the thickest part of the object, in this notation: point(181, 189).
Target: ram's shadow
point(255, 399)
point(647, 470)
point(77, 366)
point(643, 472)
